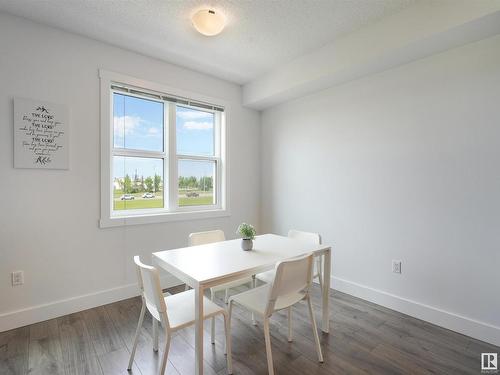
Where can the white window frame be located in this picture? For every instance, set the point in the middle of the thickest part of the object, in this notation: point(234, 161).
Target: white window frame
point(171, 210)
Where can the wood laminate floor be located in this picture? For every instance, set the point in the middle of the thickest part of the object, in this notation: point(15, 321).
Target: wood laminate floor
point(365, 339)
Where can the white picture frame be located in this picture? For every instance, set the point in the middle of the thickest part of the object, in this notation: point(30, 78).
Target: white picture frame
point(41, 134)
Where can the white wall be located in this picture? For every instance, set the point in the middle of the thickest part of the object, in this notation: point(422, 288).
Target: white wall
point(49, 219)
point(400, 165)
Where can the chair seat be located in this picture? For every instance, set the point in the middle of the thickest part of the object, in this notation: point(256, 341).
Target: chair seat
point(256, 299)
point(181, 311)
point(232, 284)
point(267, 277)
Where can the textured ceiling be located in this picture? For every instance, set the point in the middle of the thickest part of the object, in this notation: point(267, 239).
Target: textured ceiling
point(260, 35)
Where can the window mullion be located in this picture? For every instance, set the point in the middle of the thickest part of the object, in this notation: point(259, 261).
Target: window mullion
point(172, 159)
point(166, 158)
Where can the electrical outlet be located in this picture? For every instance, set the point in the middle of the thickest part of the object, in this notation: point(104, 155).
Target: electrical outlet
point(17, 278)
point(396, 266)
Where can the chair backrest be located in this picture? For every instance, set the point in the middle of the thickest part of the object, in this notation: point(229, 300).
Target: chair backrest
point(202, 238)
point(292, 281)
point(149, 283)
point(309, 237)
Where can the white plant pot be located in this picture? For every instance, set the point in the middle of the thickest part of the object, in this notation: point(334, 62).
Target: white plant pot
point(246, 244)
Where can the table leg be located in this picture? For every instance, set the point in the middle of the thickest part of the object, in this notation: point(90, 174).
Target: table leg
point(326, 290)
point(253, 287)
point(198, 338)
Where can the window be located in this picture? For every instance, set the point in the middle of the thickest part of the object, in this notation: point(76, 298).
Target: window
point(138, 153)
point(163, 155)
point(197, 160)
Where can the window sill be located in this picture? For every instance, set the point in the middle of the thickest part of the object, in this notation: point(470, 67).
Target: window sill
point(119, 221)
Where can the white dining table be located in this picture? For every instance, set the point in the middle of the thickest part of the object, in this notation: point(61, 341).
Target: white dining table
point(209, 265)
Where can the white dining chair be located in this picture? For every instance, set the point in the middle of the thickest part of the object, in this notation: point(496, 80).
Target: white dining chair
point(308, 238)
point(174, 312)
point(203, 238)
point(291, 285)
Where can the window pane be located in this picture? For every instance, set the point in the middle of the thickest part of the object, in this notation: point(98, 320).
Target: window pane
point(138, 123)
point(196, 183)
point(137, 183)
point(195, 131)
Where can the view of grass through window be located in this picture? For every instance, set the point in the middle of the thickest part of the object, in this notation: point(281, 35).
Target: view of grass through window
point(196, 183)
point(138, 183)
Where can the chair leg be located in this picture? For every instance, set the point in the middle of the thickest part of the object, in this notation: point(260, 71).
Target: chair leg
point(254, 284)
point(226, 297)
point(227, 331)
point(229, 315)
point(136, 338)
point(212, 333)
point(155, 334)
point(315, 330)
point(229, 312)
point(269, 353)
point(320, 274)
point(290, 324)
point(165, 353)
point(320, 279)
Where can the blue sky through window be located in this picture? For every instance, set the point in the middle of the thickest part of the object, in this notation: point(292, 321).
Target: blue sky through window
point(138, 124)
point(195, 132)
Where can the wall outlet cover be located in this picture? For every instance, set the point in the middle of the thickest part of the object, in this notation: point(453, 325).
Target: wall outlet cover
point(396, 266)
point(17, 278)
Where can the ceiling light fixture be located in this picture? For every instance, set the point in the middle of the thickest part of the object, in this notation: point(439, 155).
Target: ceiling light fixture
point(208, 22)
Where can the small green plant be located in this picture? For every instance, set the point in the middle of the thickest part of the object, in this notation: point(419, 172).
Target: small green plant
point(246, 231)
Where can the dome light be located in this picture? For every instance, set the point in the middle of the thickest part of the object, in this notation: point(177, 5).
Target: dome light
point(208, 22)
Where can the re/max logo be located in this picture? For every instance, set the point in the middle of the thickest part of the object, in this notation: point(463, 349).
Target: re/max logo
point(489, 362)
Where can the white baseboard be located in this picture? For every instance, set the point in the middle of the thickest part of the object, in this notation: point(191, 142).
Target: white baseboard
point(467, 326)
point(39, 313)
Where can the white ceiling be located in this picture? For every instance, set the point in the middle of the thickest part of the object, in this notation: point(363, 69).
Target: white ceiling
point(260, 35)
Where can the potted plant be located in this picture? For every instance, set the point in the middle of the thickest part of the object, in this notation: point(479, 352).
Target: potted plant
point(247, 233)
